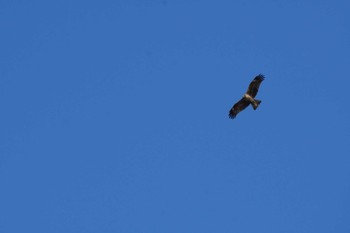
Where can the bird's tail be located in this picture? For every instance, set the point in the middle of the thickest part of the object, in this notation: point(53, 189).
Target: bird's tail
point(256, 104)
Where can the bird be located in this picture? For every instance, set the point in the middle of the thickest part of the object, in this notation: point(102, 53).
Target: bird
point(248, 97)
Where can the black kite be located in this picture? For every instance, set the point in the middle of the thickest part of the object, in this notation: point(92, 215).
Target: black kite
point(248, 97)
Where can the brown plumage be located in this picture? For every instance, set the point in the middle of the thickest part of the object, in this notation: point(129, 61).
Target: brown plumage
point(248, 97)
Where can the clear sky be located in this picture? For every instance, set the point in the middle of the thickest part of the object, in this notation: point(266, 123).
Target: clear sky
point(114, 116)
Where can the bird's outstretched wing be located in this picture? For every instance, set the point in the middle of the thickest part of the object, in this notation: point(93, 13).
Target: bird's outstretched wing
point(238, 107)
point(254, 85)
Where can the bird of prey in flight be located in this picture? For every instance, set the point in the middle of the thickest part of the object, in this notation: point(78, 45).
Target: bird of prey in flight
point(248, 97)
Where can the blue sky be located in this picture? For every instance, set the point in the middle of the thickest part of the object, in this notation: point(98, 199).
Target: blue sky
point(114, 116)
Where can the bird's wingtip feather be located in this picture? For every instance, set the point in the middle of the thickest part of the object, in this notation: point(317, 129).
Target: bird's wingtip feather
point(231, 115)
point(261, 76)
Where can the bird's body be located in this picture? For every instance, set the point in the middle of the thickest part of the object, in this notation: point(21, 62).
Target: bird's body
point(254, 102)
point(248, 97)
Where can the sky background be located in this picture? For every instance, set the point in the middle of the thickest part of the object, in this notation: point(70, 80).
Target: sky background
point(114, 116)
